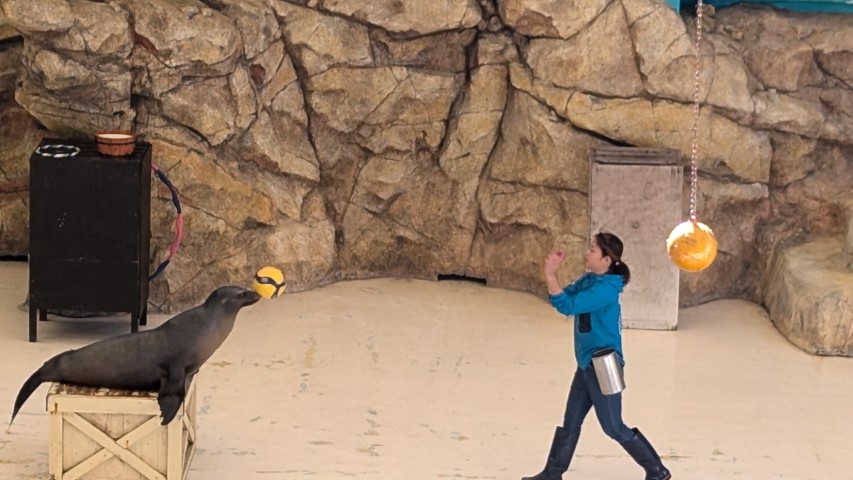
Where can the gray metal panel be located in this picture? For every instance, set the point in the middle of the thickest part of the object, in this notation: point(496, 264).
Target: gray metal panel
point(638, 198)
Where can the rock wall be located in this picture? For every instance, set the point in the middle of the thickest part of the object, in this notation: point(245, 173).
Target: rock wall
point(18, 136)
point(809, 296)
point(349, 139)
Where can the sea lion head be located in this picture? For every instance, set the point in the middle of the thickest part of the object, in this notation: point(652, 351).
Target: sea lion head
point(232, 298)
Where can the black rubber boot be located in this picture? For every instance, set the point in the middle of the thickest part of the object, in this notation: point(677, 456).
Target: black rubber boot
point(643, 453)
point(562, 450)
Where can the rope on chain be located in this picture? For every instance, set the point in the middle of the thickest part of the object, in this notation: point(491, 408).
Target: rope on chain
point(694, 147)
point(179, 221)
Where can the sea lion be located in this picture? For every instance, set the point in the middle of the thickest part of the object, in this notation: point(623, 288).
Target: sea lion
point(160, 359)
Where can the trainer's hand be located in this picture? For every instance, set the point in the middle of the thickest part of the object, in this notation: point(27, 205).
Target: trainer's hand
point(552, 262)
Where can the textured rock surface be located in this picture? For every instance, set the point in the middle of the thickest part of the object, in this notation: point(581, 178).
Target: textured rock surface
point(18, 137)
point(343, 139)
point(810, 297)
point(10, 64)
point(848, 238)
point(407, 16)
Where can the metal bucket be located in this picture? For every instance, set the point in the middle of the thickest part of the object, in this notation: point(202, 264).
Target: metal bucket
point(608, 371)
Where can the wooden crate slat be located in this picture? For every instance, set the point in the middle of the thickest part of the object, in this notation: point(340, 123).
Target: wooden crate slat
point(121, 432)
point(104, 454)
point(117, 450)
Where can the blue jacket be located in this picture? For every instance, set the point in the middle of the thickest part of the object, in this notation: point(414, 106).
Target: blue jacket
point(594, 301)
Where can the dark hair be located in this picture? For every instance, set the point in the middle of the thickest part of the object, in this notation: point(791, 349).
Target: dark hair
point(611, 246)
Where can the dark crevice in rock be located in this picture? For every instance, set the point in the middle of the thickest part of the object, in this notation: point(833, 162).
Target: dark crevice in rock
point(328, 183)
point(302, 79)
point(11, 43)
point(379, 51)
point(406, 35)
point(634, 53)
point(257, 73)
point(135, 100)
point(599, 136)
point(168, 122)
point(356, 175)
point(192, 130)
point(707, 68)
point(562, 117)
point(189, 202)
point(347, 18)
point(641, 17)
point(379, 104)
point(486, 170)
point(430, 57)
point(433, 243)
point(490, 8)
point(521, 42)
point(504, 228)
point(717, 175)
point(214, 4)
point(460, 278)
point(145, 43)
point(744, 119)
point(253, 224)
point(538, 186)
point(491, 18)
point(13, 185)
point(452, 118)
point(829, 75)
point(481, 224)
point(596, 18)
point(377, 205)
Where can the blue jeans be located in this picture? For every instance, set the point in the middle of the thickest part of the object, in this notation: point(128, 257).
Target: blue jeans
point(585, 394)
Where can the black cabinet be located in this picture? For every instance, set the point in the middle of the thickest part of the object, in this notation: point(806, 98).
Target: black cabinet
point(89, 232)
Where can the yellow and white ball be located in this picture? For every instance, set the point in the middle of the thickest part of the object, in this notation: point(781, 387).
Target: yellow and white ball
point(269, 282)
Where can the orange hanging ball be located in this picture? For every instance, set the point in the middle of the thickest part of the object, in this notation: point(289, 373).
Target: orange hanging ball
point(692, 246)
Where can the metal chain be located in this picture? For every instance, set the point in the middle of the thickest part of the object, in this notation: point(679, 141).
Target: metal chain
point(694, 150)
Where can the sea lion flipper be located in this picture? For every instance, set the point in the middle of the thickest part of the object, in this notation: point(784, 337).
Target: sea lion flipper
point(36, 379)
point(171, 394)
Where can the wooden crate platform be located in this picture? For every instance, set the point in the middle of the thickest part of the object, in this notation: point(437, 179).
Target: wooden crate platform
point(100, 434)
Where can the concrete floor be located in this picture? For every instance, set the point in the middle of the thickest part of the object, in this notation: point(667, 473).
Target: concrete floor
point(391, 379)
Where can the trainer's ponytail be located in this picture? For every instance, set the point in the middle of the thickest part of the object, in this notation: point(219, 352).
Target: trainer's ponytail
point(620, 268)
point(611, 246)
